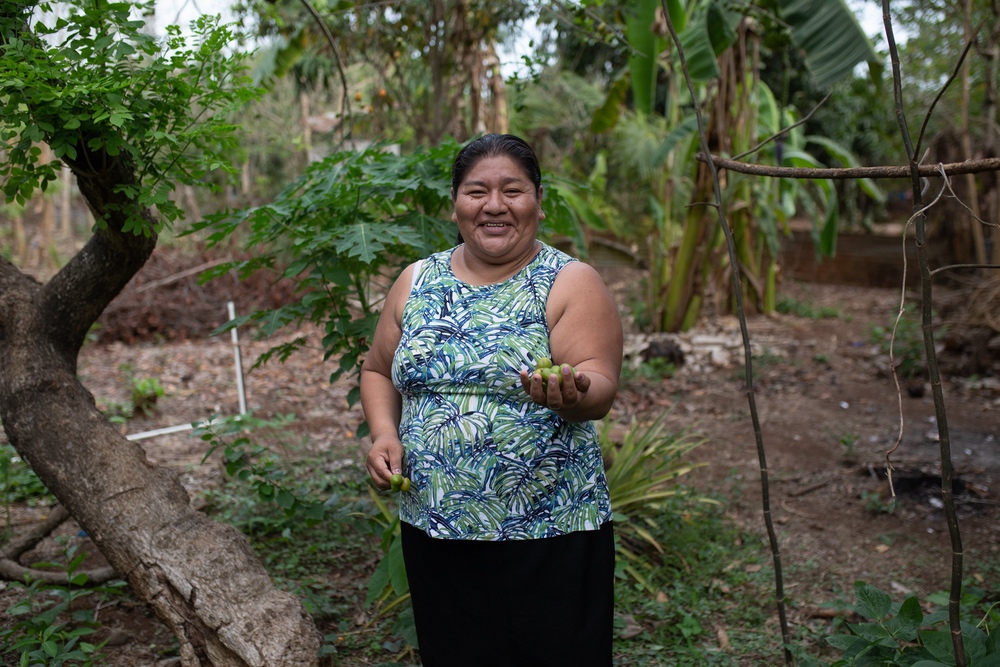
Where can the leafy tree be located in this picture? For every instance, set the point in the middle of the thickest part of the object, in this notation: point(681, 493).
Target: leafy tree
point(132, 117)
point(412, 71)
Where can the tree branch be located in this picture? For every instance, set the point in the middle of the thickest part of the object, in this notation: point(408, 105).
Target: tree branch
point(924, 170)
point(345, 110)
point(76, 296)
point(27, 541)
point(952, 267)
point(12, 570)
point(930, 356)
point(954, 75)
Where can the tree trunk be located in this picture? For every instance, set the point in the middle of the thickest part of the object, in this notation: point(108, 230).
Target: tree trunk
point(20, 237)
point(991, 56)
point(46, 229)
point(305, 108)
point(200, 577)
point(66, 204)
point(498, 120)
point(978, 249)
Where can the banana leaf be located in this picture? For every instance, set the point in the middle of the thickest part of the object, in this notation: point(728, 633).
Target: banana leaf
point(606, 116)
point(829, 35)
point(844, 154)
point(710, 32)
point(682, 131)
point(825, 231)
point(646, 45)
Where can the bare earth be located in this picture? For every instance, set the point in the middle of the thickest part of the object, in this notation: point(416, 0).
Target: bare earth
point(829, 413)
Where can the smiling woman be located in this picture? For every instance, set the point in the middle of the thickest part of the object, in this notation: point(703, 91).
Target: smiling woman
point(497, 210)
point(509, 500)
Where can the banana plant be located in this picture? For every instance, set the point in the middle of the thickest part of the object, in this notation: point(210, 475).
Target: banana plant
point(684, 247)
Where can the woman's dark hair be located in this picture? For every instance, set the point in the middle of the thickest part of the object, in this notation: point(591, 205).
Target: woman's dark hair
point(495, 145)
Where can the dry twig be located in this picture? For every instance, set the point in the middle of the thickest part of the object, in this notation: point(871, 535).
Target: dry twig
point(12, 570)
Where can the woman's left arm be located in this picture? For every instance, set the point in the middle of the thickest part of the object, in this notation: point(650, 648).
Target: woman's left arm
point(585, 331)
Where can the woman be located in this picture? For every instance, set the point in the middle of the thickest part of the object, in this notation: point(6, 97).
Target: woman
point(506, 530)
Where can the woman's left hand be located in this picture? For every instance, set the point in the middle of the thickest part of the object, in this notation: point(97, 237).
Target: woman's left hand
point(554, 394)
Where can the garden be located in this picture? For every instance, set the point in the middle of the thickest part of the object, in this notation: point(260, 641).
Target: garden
point(803, 451)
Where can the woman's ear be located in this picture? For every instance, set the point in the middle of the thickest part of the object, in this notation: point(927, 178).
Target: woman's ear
point(541, 213)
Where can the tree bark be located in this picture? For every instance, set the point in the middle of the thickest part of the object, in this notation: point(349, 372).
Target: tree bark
point(991, 56)
point(66, 203)
point(200, 577)
point(971, 224)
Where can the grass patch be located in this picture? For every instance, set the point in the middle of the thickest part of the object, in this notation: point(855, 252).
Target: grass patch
point(656, 369)
point(806, 309)
point(713, 585)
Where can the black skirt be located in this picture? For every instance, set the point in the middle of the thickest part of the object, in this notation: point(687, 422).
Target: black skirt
point(517, 603)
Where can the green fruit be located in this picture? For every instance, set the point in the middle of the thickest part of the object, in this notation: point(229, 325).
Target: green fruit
point(396, 482)
point(543, 362)
point(404, 486)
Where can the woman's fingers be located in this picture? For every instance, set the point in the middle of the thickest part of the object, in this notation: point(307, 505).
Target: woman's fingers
point(384, 460)
point(562, 389)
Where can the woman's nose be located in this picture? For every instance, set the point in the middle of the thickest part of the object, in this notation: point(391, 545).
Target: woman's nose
point(495, 202)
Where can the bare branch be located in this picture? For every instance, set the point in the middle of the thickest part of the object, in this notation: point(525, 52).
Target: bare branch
point(950, 169)
point(954, 75)
point(892, 341)
point(930, 356)
point(27, 541)
point(11, 570)
point(952, 267)
point(346, 107)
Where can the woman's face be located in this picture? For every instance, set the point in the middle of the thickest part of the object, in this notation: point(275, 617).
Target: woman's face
point(496, 209)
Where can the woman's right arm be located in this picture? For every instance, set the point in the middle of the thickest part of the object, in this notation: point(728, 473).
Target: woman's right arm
point(380, 401)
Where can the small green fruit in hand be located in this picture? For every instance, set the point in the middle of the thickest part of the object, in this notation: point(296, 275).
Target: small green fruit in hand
point(546, 369)
point(396, 482)
point(404, 486)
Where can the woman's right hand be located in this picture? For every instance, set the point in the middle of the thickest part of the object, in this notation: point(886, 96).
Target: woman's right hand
point(385, 458)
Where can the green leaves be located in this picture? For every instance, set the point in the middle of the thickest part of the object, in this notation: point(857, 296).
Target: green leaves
point(349, 224)
point(99, 90)
point(829, 35)
point(903, 635)
point(646, 45)
point(710, 32)
point(871, 602)
point(256, 464)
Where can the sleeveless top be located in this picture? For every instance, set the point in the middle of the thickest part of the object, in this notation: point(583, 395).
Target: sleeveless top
point(485, 461)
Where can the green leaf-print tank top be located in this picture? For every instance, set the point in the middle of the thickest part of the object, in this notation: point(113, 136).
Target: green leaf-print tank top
point(485, 461)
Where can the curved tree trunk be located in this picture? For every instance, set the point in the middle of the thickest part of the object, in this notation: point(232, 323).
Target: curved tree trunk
point(201, 577)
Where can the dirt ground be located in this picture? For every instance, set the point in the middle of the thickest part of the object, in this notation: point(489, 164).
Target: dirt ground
point(829, 413)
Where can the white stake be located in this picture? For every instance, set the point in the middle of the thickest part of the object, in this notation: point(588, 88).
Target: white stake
point(239, 361)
